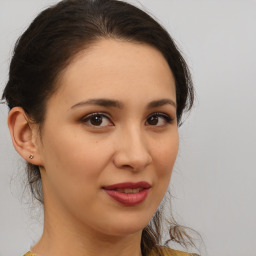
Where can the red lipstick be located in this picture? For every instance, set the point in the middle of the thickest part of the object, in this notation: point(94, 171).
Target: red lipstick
point(128, 193)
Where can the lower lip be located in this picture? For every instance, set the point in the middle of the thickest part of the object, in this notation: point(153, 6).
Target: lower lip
point(128, 199)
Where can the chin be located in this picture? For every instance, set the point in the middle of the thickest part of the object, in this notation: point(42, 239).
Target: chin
point(123, 231)
point(126, 226)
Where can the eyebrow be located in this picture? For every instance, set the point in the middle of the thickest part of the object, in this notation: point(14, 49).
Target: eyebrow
point(118, 104)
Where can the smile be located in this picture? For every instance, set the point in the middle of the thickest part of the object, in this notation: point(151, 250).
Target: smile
point(130, 190)
point(128, 193)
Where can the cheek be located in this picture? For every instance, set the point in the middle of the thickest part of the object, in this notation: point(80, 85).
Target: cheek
point(72, 149)
point(73, 161)
point(165, 156)
point(166, 153)
point(73, 171)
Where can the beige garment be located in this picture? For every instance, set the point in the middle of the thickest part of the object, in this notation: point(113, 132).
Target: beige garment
point(171, 252)
point(29, 254)
point(167, 252)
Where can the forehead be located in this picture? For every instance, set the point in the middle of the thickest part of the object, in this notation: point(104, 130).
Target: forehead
point(111, 68)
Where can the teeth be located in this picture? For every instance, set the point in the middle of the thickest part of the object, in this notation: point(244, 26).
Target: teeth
point(130, 190)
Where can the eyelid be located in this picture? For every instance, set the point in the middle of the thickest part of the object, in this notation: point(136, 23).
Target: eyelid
point(87, 117)
point(168, 118)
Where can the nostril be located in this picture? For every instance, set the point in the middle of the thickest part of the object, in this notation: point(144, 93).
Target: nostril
point(128, 167)
point(132, 152)
point(126, 161)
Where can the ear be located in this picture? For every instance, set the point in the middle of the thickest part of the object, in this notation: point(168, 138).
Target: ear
point(24, 134)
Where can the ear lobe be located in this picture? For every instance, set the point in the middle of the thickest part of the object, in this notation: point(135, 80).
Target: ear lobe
point(24, 134)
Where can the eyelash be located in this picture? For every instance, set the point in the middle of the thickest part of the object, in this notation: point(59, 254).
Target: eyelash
point(86, 119)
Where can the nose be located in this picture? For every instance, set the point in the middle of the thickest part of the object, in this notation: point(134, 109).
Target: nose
point(132, 151)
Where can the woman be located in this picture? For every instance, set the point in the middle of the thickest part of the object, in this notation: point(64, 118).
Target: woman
point(96, 93)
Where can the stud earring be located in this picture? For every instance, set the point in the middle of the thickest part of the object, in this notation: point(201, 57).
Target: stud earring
point(31, 156)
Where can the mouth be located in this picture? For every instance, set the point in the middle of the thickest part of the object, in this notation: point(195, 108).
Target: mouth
point(128, 185)
point(128, 193)
point(130, 190)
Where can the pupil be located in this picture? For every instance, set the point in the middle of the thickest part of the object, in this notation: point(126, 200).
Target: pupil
point(96, 120)
point(153, 120)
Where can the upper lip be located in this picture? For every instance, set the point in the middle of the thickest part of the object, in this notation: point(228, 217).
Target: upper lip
point(133, 185)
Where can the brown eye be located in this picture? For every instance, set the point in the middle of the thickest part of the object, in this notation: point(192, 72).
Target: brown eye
point(153, 120)
point(97, 120)
point(158, 119)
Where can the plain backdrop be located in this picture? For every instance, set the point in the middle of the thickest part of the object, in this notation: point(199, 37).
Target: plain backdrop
point(214, 179)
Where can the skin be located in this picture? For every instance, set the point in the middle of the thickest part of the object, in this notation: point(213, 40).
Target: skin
point(78, 158)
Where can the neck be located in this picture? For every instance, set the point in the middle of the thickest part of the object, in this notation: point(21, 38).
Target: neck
point(62, 238)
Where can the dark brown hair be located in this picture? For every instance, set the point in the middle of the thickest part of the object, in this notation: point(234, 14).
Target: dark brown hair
point(51, 42)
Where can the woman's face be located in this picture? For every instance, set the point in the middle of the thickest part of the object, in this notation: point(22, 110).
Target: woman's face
point(110, 138)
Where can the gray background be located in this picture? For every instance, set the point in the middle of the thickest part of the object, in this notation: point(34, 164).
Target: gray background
point(214, 179)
